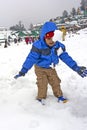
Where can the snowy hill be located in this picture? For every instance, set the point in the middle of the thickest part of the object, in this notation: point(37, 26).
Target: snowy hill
point(18, 108)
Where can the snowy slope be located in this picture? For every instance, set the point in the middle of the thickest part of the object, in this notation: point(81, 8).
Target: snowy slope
point(18, 108)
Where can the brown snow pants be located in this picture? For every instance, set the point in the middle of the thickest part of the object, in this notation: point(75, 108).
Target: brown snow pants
point(45, 76)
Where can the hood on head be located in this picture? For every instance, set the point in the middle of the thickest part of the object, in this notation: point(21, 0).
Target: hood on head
point(47, 27)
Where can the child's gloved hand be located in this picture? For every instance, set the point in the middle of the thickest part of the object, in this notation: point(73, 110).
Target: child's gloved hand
point(82, 71)
point(19, 75)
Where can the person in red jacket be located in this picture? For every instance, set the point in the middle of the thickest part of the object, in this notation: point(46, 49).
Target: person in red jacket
point(27, 40)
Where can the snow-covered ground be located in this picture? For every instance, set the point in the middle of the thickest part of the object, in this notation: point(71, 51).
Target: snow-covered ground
point(18, 108)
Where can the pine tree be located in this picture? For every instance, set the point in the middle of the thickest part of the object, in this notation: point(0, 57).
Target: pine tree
point(73, 11)
point(65, 14)
point(83, 5)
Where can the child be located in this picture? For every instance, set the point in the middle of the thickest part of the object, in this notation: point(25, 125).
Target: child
point(45, 55)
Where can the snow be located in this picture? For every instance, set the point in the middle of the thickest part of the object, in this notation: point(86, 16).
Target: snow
point(19, 109)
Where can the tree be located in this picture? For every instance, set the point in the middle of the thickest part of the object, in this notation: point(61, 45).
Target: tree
point(31, 27)
point(18, 27)
point(83, 4)
point(65, 14)
point(78, 11)
point(73, 12)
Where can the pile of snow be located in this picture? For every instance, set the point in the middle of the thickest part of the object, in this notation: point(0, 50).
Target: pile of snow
point(57, 35)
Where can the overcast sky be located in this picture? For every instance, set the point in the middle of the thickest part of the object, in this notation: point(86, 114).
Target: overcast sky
point(33, 11)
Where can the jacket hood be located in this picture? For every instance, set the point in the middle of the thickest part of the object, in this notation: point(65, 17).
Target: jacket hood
point(47, 27)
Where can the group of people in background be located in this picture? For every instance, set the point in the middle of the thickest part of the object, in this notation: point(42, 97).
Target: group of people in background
point(27, 40)
point(30, 39)
point(9, 40)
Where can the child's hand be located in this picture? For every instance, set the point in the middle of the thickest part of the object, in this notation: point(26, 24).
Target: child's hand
point(82, 72)
point(19, 75)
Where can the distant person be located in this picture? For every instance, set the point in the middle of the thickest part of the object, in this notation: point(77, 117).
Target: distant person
point(15, 40)
point(9, 40)
point(63, 30)
point(6, 43)
point(27, 40)
point(19, 39)
point(45, 55)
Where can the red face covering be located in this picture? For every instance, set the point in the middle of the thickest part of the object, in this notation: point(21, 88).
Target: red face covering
point(49, 34)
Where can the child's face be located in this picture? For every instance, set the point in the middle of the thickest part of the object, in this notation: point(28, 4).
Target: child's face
point(49, 42)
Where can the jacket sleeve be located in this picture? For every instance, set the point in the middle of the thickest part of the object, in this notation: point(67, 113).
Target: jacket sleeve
point(69, 61)
point(31, 59)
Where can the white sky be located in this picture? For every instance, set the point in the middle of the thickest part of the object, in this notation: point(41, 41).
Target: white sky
point(33, 11)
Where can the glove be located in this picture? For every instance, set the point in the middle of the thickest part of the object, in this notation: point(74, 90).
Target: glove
point(82, 71)
point(19, 75)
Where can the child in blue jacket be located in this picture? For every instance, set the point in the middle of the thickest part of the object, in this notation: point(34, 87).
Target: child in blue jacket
point(45, 55)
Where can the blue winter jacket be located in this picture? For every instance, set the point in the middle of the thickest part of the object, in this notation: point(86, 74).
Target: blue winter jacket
point(44, 56)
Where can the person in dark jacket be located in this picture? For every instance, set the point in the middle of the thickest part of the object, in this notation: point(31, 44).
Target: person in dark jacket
point(45, 55)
